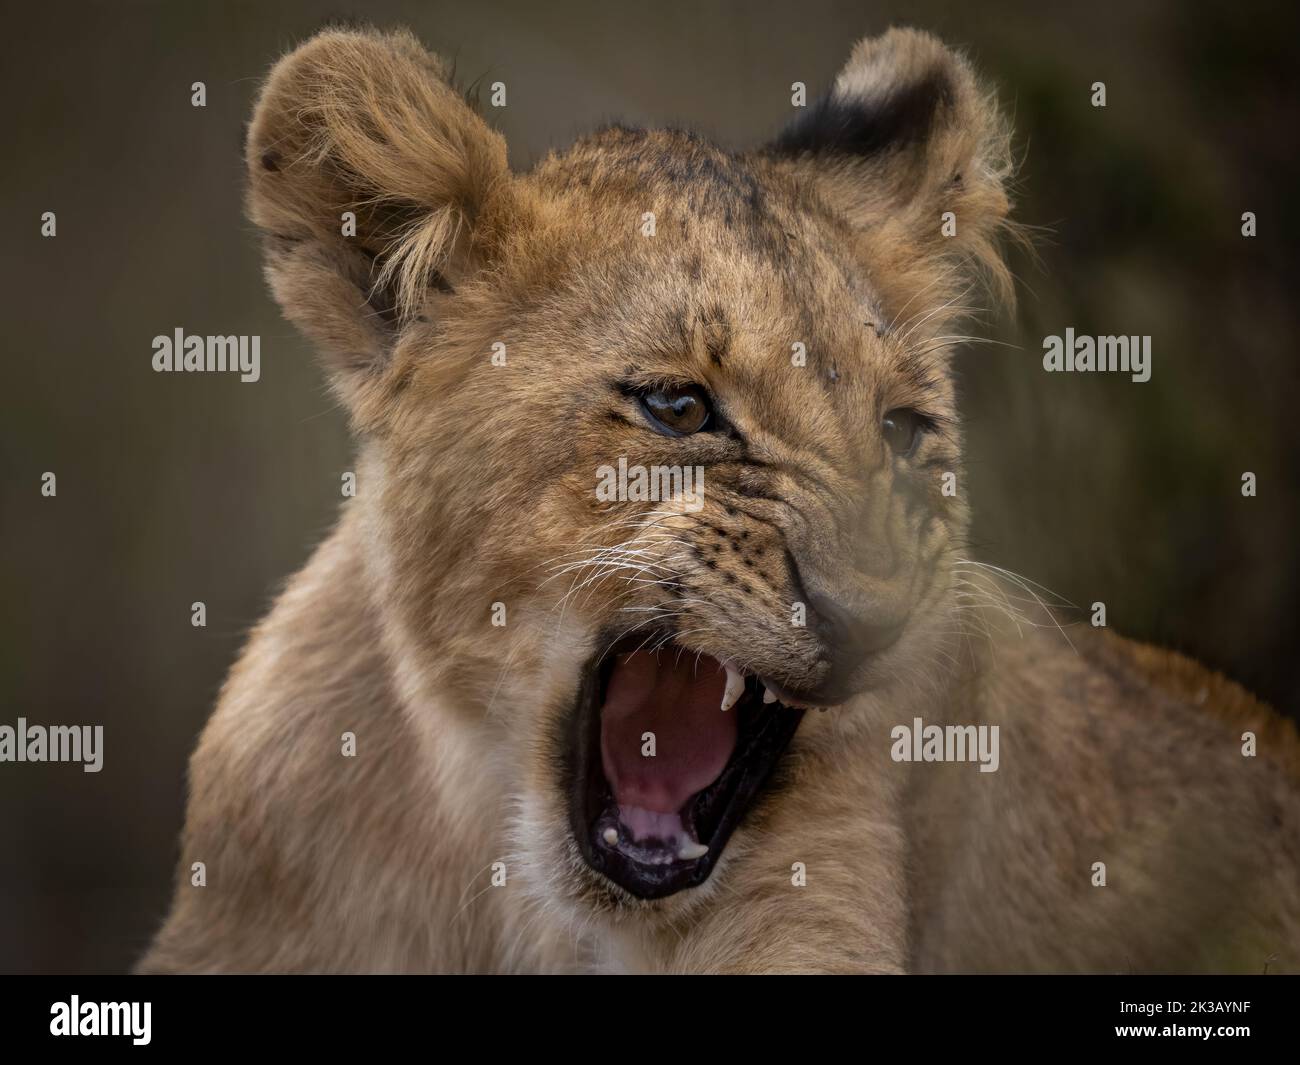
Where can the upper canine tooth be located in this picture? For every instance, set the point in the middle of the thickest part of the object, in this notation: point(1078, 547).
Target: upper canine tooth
point(768, 697)
point(735, 687)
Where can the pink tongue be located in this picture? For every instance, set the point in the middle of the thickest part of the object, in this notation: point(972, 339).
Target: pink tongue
point(680, 701)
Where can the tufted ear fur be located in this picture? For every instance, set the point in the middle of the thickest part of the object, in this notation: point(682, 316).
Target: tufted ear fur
point(905, 135)
point(364, 122)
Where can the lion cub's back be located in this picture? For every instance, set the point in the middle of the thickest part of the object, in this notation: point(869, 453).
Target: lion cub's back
point(1130, 824)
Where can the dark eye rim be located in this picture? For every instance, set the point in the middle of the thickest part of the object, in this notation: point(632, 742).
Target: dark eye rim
point(922, 423)
point(709, 423)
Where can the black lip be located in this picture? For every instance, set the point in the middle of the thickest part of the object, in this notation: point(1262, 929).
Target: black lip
point(714, 813)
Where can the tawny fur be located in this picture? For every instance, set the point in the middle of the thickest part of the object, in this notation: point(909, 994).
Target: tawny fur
point(476, 487)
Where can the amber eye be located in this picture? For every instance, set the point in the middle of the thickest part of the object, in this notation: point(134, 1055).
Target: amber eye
point(902, 429)
point(680, 409)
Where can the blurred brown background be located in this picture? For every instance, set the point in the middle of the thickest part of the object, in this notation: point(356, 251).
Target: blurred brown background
point(179, 488)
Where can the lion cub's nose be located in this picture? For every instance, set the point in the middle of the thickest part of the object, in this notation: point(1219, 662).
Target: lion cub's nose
point(851, 636)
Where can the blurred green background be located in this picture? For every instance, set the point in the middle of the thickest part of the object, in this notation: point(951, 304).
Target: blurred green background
point(173, 489)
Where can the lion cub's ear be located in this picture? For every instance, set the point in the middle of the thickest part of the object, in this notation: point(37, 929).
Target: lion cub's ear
point(370, 176)
point(913, 154)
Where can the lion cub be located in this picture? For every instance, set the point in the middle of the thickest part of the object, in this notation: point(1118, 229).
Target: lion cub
point(517, 715)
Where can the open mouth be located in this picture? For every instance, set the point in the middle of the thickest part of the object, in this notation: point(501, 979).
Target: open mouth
point(669, 750)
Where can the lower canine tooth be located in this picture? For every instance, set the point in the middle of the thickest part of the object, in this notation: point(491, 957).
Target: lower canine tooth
point(768, 697)
point(689, 851)
point(735, 687)
point(610, 835)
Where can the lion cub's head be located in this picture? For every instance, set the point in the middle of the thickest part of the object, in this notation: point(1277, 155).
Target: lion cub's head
point(655, 437)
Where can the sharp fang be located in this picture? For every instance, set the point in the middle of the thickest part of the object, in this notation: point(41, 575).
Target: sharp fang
point(735, 687)
point(611, 836)
point(768, 697)
point(689, 851)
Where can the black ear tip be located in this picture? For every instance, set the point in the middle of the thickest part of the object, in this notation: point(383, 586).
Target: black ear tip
point(868, 125)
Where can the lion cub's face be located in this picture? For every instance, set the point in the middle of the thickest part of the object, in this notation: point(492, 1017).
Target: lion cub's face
point(658, 435)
